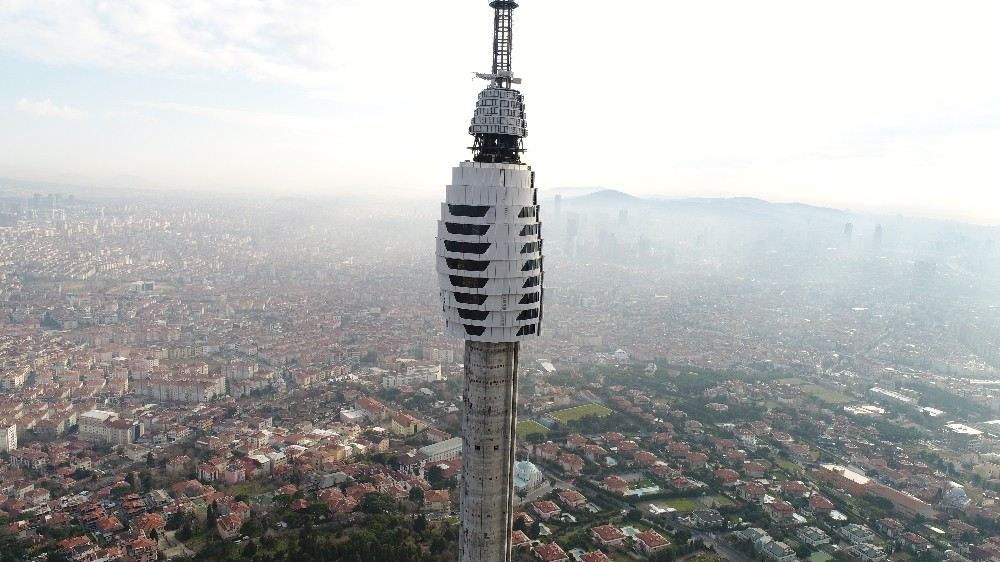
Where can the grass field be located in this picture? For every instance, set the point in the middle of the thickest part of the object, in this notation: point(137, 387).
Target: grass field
point(820, 557)
point(794, 381)
point(527, 427)
point(578, 412)
point(680, 504)
point(790, 467)
point(716, 501)
point(826, 395)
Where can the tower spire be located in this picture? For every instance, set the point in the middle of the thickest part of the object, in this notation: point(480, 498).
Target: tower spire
point(503, 40)
point(489, 264)
point(499, 123)
point(503, 21)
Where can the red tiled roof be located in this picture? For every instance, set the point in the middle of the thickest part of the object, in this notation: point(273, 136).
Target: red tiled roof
point(608, 533)
point(436, 496)
point(148, 522)
point(549, 552)
point(72, 542)
point(652, 539)
point(572, 496)
point(545, 506)
point(596, 556)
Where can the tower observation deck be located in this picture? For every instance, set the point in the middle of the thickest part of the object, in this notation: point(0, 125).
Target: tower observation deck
point(489, 264)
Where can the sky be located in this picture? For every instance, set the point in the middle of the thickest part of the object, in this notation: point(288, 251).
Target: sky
point(887, 105)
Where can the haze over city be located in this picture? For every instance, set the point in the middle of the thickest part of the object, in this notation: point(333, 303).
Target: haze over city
point(888, 106)
point(288, 282)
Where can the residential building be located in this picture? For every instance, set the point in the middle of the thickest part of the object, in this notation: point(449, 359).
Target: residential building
point(550, 552)
point(650, 542)
point(867, 552)
point(546, 510)
point(595, 556)
point(812, 536)
point(708, 519)
point(778, 551)
point(857, 534)
point(844, 478)
point(779, 511)
point(415, 375)
point(572, 499)
point(616, 484)
point(437, 500)
point(99, 425)
point(8, 437)
point(608, 535)
point(405, 425)
point(443, 450)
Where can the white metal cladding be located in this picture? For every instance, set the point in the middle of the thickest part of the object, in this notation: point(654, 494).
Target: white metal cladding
point(479, 251)
point(489, 253)
point(492, 286)
point(490, 269)
point(511, 196)
point(526, 301)
point(509, 232)
point(489, 214)
point(499, 111)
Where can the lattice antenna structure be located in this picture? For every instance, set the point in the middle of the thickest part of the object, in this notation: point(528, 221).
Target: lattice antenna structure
point(499, 123)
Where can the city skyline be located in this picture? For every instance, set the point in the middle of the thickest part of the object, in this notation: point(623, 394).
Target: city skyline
point(247, 315)
point(869, 108)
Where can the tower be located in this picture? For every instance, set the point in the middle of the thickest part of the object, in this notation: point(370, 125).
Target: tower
point(489, 264)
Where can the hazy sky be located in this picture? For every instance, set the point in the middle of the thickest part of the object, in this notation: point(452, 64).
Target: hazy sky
point(862, 104)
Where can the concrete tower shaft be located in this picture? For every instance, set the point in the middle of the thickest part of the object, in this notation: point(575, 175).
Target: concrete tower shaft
point(488, 419)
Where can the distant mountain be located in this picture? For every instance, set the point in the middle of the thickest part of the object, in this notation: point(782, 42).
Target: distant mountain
point(754, 206)
point(570, 191)
point(742, 207)
point(608, 197)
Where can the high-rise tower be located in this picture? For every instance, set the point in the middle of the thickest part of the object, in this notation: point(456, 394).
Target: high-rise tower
point(489, 263)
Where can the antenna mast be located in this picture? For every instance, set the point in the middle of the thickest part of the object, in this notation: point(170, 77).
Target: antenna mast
point(502, 40)
point(499, 123)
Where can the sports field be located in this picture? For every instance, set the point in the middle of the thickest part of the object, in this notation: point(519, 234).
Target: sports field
point(578, 412)
point(826, 395)
point(680, 504)
point(527, 427)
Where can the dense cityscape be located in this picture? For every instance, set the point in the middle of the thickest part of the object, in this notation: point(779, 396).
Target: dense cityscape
point(198, 378)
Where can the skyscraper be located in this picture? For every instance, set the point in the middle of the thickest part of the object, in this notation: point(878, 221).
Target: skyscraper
point(489, 263)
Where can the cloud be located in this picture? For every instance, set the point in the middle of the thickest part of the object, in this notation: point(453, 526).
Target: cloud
point(318, 45)
point(270, 41)
point(262, 119)
point(780, 99)
point(45, 108)
point(129, 116)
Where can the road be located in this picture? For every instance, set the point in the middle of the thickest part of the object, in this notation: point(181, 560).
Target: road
point(723, 548)
point(538, 492)
point(551, 482)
